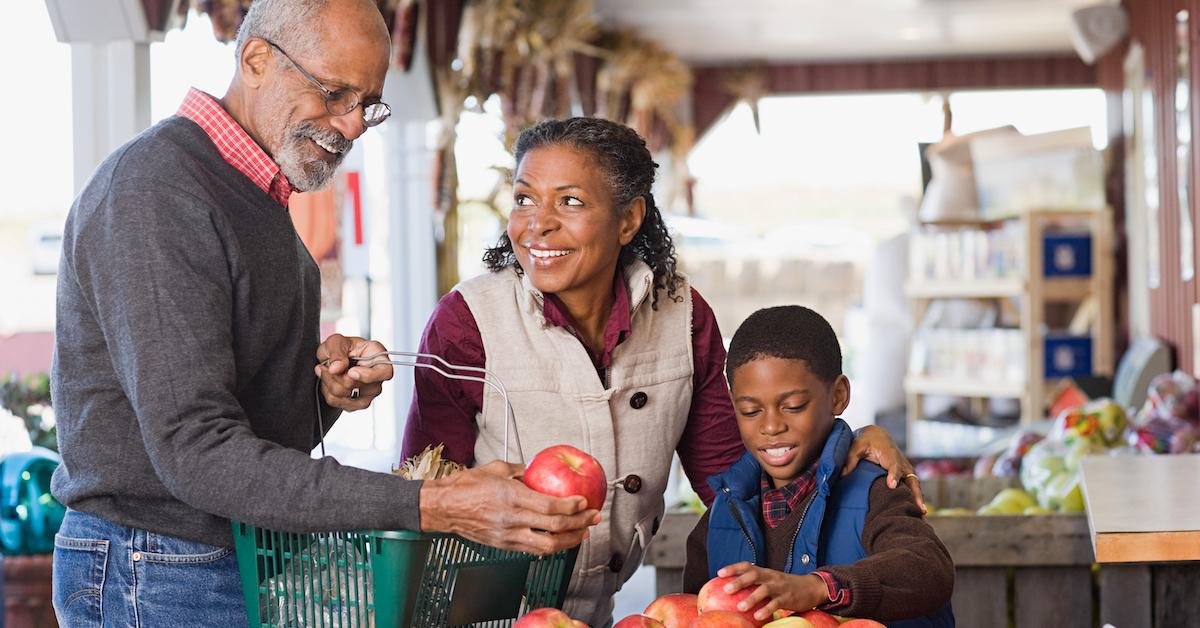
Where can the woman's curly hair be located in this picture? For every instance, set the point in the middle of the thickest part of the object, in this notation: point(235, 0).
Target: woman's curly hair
point(629, 168)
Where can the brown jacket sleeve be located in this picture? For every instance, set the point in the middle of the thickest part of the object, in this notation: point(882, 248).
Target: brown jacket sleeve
point(695, 570)
point(907, 572)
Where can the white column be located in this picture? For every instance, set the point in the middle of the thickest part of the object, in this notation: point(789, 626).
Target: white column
point(398, 178)
point(110, 100)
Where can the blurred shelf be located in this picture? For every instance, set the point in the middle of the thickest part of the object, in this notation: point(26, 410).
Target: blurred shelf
point(1067, 288)
point(964, 289)
point(925, 385)
point(969, 221)
point(1052, 288)
point(1030, 290)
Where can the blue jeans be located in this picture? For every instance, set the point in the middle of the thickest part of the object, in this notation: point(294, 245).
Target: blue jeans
point(109, 575)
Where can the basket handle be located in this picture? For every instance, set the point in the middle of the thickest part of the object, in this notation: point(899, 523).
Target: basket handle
point(487, 377)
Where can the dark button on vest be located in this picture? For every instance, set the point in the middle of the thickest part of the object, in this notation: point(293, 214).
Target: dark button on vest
point(638, 400)
point(632, 483)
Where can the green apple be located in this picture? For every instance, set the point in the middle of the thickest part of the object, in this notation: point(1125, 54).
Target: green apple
point(1014, 497)
point(1111, 418)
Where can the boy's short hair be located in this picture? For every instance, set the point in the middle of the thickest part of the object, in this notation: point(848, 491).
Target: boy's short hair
point(790, 332)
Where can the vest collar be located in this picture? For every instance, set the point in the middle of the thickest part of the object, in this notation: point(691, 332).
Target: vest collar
point(742, 479)
point(639, 279)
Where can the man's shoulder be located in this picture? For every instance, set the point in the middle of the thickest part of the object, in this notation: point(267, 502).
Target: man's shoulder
point(163, 166)
point(174, 150)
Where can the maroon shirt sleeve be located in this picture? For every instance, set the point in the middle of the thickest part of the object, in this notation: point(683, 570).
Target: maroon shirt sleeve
point(443, 410)
point(711, 442)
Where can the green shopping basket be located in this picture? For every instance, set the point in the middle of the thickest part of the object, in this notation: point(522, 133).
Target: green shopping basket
point(393, 578)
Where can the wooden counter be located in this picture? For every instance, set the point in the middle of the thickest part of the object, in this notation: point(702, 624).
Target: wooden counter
point(1143, 509)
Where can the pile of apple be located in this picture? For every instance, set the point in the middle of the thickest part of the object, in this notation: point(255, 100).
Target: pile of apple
point(564, 471)
point(712, 608)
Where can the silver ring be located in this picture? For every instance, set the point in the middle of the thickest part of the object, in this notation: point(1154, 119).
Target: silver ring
point(354, 393)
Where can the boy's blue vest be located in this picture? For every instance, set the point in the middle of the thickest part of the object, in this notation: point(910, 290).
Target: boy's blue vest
point(830, 531)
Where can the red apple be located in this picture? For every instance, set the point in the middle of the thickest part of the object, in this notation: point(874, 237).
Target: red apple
point(862, 623)
point(791, 621)
point(819, 619)
point(563, 471)
point(723, 619)
point(677, 610)
point(638, 621)
point(714, 598)
point(547, 618)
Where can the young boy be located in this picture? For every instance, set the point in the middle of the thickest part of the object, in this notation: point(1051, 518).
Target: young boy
point(784, 522)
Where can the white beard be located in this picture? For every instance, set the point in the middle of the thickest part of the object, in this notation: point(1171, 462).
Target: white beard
point(305, 173)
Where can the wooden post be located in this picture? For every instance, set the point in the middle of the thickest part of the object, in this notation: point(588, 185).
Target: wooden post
point(1105, 334)
point(1054, 596)
point(980, 597)
point(1125, 596)
point(1175, 587)
point(1032, 317)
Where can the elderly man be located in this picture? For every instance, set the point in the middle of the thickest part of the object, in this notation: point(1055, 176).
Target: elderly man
point(187, 342)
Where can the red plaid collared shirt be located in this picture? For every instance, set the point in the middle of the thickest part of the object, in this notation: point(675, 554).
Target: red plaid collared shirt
point(235, 145)
point(778, 503)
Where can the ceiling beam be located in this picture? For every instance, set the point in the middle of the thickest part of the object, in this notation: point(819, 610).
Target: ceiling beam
point(711, 96)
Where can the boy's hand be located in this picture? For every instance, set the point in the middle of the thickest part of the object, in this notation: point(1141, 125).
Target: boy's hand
point(776, 589)
point(875, 444)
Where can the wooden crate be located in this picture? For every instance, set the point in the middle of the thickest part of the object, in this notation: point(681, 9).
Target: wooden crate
point(1021, 571)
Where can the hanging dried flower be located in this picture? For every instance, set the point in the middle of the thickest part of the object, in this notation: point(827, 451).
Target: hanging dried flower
point(748, 84)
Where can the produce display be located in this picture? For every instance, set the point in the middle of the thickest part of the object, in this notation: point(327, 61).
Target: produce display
point(1048, 468)
point(819, 619)
point(1008, 464)
point(564, 471)
point(547, 618)
point(713, 608)
point(714, 598)
point(638, 621)
point(724, 619)
point(1169, 423)
point(677, 610)
point(1012, 501)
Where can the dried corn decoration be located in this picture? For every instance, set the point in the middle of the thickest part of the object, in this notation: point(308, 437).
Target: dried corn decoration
point(428, 465)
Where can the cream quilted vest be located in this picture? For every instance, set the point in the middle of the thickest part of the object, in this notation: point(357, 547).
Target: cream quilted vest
point(631, 422)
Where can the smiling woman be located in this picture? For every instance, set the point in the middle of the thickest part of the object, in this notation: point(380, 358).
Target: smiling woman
point(601, 344)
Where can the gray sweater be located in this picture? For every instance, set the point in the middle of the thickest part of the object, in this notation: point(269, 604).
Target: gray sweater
point(187, 329)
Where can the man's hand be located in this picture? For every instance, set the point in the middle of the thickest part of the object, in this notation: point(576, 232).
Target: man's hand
point(489, 506)
point(349, 387)
point(875, 444)
point(777, 590)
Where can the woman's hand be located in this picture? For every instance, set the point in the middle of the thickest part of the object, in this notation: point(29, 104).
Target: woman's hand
point(875, 444)
point(775, 590)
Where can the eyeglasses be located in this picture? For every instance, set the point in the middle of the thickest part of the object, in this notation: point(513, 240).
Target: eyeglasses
point(339, 102)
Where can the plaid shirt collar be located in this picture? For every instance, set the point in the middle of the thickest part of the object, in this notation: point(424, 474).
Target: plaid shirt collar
point(235, 145)
point(778, 503)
